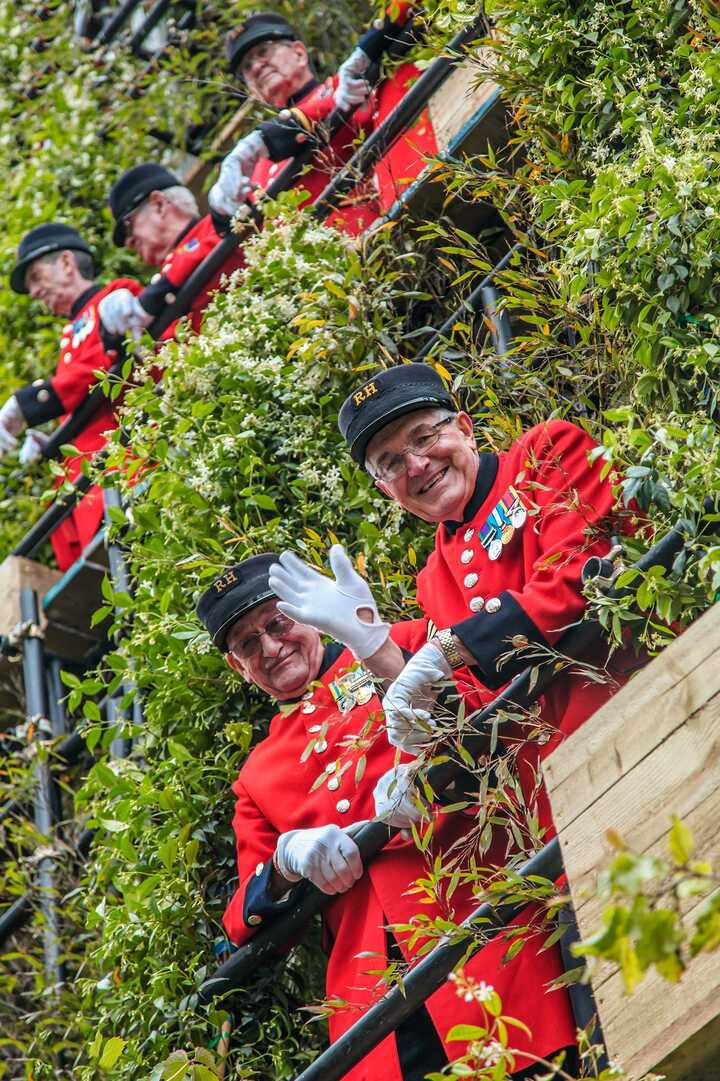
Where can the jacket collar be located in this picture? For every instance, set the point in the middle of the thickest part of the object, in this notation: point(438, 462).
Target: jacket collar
point(301, 93)
point(486, 474)
point(83, 299)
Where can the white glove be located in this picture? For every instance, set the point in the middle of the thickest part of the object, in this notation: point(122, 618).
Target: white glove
point(331, 605)
point(408, 718)
point(326, 855)
point(32, 448)
point(352, 89)
point(121, 311)
point(233, 186)
point(397, 798)
point(12, 423)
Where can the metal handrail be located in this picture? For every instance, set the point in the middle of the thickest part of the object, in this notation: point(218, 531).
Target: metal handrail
point(116, 22)
point(427, 976)
point(402, 117)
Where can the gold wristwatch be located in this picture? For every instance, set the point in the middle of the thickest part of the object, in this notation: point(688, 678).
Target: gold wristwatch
point(446, 640)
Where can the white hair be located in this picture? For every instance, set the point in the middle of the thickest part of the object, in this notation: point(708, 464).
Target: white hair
point(182, 199)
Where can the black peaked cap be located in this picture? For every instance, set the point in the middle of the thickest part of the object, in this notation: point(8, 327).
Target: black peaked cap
point(263, 26)
point(128, 192)
point(389, 395)
point(236, 592)
point(43, 240)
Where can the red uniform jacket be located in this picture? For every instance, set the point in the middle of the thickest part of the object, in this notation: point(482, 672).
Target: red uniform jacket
point(511, 570)
point(191, 247)
point(82, 353)
point(273, 796)
point(402, 163)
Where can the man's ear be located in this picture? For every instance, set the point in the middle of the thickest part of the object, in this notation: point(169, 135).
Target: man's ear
point(382, 488)
point(465, 423)
point(235, 664)
point(300, 50)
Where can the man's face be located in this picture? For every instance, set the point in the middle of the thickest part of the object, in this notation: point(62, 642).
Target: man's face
point(436, 483)
point(268, 649)
point(152, 229)
point(275, 70)
point(55, 284)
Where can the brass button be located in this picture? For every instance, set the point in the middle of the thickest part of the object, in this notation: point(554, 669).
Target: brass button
point(169, 298)
point(155, 279)
point(43, 395)
point(343, 805)
point(68, 357)
point(259, 869)
point(468, 535)
point(334, 784)
point(314, 728)
point(254, 920)
point(308, 694)
point(520, 641)
point(38, 382)
point(320, 746)
point(273, 169)
point(309, 708)
point(470, 580)
point(493, 605)
point(467, 555)
point(477, 604)
point(332, 767)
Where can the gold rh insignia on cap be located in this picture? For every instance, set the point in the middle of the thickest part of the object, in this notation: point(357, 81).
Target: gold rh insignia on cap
point(364, 393)
point(227, 580)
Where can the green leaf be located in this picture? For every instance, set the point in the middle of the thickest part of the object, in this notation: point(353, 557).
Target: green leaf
point(680, 842)
point(111, 1052)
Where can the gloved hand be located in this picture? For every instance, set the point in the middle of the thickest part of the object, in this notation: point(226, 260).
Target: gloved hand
point(121, 311)
point(12, 423)
point(330, 605)
point(397, 798)
point(352, 89)
point(32, 448)
point(326, 855)
point(233, 186)
point(409, 699)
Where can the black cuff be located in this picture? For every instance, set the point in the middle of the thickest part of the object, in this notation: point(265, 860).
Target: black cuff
point(221, 223)
point(39, 402)
point(375, 42)
point(281, 138)
point(258, 904)
point(488, 636)
point(158, 294)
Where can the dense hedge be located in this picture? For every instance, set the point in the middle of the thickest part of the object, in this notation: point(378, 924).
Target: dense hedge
point(610, 186)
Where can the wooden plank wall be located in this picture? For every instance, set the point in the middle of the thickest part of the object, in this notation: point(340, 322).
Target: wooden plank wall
point(652, 751)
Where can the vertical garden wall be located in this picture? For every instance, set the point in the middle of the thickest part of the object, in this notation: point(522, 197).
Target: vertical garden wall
point(609, 184)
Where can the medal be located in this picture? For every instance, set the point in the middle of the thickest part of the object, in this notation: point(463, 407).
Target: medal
point(354, 688)
point(495, 548)
point(507, 516)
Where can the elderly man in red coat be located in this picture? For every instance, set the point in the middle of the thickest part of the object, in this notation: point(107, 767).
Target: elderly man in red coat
point(267, 53)
point(55, 266)
point(503, 583)
point(158, 217)
point(300, 791)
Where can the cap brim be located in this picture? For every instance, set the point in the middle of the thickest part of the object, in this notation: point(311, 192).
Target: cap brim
point(119, 233)
point(358, 449)
point(220, 636)
point(257, 38)
point(17, 275)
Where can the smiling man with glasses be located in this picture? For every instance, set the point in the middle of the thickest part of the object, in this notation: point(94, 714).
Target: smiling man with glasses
point(324, 768)
point(514, 529)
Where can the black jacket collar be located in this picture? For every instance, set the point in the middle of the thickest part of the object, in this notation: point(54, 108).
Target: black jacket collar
point(83, 299)
point(486, 474)
point(301, 93)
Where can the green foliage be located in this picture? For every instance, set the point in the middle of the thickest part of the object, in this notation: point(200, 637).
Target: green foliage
point(659, 912)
